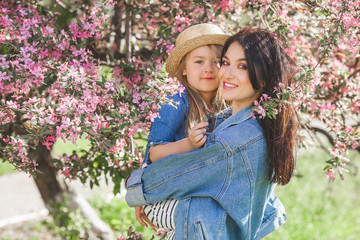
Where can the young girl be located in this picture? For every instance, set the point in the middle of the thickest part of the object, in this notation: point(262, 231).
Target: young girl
point(195, 63)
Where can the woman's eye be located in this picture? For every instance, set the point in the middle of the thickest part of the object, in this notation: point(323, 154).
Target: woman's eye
point(225, 63)
point(199, 61)
point(243, 66)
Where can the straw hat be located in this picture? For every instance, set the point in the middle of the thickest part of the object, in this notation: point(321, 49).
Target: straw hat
point(191, 38)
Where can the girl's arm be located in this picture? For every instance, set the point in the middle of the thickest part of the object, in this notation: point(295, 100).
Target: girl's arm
point(195, 139)
point(169, 126)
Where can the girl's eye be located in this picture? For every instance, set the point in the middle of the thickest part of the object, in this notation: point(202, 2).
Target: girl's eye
point(224, 63)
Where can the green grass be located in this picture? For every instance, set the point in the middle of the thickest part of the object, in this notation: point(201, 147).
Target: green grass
point(119, 216)
point(316, 207)
point(68, 147)
point(6, 167)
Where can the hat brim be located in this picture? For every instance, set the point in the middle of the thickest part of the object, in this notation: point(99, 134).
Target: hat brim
point(174, 59)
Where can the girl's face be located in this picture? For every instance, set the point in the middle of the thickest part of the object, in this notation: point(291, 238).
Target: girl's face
point(235, 82)
point(201, 70)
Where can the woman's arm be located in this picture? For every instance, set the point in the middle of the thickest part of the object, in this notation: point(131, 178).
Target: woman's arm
point(201, 172)
point(195, 139)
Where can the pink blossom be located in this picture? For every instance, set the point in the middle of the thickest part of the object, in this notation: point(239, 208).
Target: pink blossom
point(159, 41)
point(348, 129)
point(226, 5)
point(260, 110)
point(118, 147)
point(66, 172)
point(330, 174)
point(132, 130)
point(50, 140)
point(352, 43)
point(3, 62)
point(266, 97)
point(253, 115)
point(141, 159)
point(136, 97)
point(143, 105)
point(169, 48)
point(152, 116)
point(12, 104)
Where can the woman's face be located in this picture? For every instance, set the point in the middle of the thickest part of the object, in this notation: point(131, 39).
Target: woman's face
point(201, 69)
point(235, 82)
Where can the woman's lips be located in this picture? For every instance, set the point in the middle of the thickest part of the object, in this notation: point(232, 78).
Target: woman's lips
point(227, 85)
point(209, 79)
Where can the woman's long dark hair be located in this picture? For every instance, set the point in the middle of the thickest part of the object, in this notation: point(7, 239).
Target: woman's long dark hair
point(271, 71)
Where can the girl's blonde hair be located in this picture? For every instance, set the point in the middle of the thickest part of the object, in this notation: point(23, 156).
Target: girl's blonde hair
point(197, 110)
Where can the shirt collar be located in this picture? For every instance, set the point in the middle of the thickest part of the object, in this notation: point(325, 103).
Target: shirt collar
point(240, 116)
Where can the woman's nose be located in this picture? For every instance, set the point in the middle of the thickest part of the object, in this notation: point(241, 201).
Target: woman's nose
point(228, 73)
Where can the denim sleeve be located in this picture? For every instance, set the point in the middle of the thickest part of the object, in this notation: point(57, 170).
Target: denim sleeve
point(165, 127)
point(202, 172)
point(170, 119)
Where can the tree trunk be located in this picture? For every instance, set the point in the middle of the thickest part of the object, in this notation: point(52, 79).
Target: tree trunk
point(53, 189)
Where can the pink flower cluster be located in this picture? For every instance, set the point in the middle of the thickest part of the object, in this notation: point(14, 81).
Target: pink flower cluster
point(56, 86)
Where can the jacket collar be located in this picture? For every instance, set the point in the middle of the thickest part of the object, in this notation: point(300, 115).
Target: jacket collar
point(240, 116)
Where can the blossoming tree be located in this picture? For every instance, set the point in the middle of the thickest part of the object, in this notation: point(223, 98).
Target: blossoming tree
point(93, 70)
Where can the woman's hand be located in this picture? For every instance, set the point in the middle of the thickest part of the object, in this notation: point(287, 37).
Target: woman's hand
point(142, 218)
point(196, 136)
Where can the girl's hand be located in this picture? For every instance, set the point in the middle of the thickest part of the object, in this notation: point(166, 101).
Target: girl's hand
point(142, 218)
point(196, 136)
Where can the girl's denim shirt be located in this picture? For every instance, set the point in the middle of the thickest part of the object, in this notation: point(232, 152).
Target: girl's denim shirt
point(171, 124)
point(224, 190)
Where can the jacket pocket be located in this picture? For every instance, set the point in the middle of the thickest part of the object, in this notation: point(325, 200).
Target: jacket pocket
point(200, 231)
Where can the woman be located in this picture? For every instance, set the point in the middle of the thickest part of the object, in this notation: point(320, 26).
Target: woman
point(233, 177)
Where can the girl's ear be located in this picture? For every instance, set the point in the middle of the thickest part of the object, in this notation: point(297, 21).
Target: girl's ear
point(184, 72)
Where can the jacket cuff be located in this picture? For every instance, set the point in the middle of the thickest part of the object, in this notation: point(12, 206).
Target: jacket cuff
point(135, 195)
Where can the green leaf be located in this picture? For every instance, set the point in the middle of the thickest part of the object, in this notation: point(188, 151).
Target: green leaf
point(7, 43)
point(38, 31)
point(95, 164)
point(104, 130)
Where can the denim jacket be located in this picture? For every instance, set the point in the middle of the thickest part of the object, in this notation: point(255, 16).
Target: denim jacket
point(171, 124)
point(229, 175)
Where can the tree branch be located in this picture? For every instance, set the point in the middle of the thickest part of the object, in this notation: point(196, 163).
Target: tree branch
point(327, 135)
point(61, 4)
point(127, 32)
point(117, 23)
point(354, 73)
point(337, 28)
